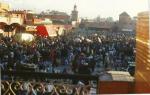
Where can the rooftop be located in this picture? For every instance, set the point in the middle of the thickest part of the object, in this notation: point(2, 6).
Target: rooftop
point(124, 14)
point(117, 76)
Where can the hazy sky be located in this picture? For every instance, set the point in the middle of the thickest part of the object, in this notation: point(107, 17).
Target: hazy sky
point(86, 8)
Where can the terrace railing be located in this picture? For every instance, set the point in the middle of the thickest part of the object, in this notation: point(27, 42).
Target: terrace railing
point(39, 83)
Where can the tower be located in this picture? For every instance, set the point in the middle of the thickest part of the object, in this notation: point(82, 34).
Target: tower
point(74, 14)
point(124, 21)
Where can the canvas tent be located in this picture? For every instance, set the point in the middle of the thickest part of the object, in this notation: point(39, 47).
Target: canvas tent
point(41, 31)
point(48, 30)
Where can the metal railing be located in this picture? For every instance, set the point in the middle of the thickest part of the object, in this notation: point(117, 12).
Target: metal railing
point(37, 83)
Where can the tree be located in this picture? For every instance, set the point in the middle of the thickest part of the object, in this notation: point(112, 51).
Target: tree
point(110, 19)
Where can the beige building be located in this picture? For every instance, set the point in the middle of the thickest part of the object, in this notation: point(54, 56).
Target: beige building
point(125, 22)
point(10, 21)
point(4, 7)
point(9, 17)
point(124, 18)
point(17, 16)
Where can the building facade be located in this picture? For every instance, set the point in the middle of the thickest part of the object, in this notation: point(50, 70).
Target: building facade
point(125, 22)
point(124, 18)
point(55, 17)
point(10, 21)
point(95, 25)
point(17, 16)
point(4, 7)
point(142, 76)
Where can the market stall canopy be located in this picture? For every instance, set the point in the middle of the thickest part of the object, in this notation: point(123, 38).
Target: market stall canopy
point(42, 31)
point(49, 30)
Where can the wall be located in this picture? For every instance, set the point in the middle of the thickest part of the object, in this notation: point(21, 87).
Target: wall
point(116, 87)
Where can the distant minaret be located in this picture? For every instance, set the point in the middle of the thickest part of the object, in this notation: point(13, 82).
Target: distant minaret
point(74, 14)
point(75, 7)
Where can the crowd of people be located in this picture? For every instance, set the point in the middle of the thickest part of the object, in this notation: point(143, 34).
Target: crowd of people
point(74, 52)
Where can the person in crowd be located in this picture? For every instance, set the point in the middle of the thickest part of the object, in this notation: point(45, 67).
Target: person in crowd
point(73, 51)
